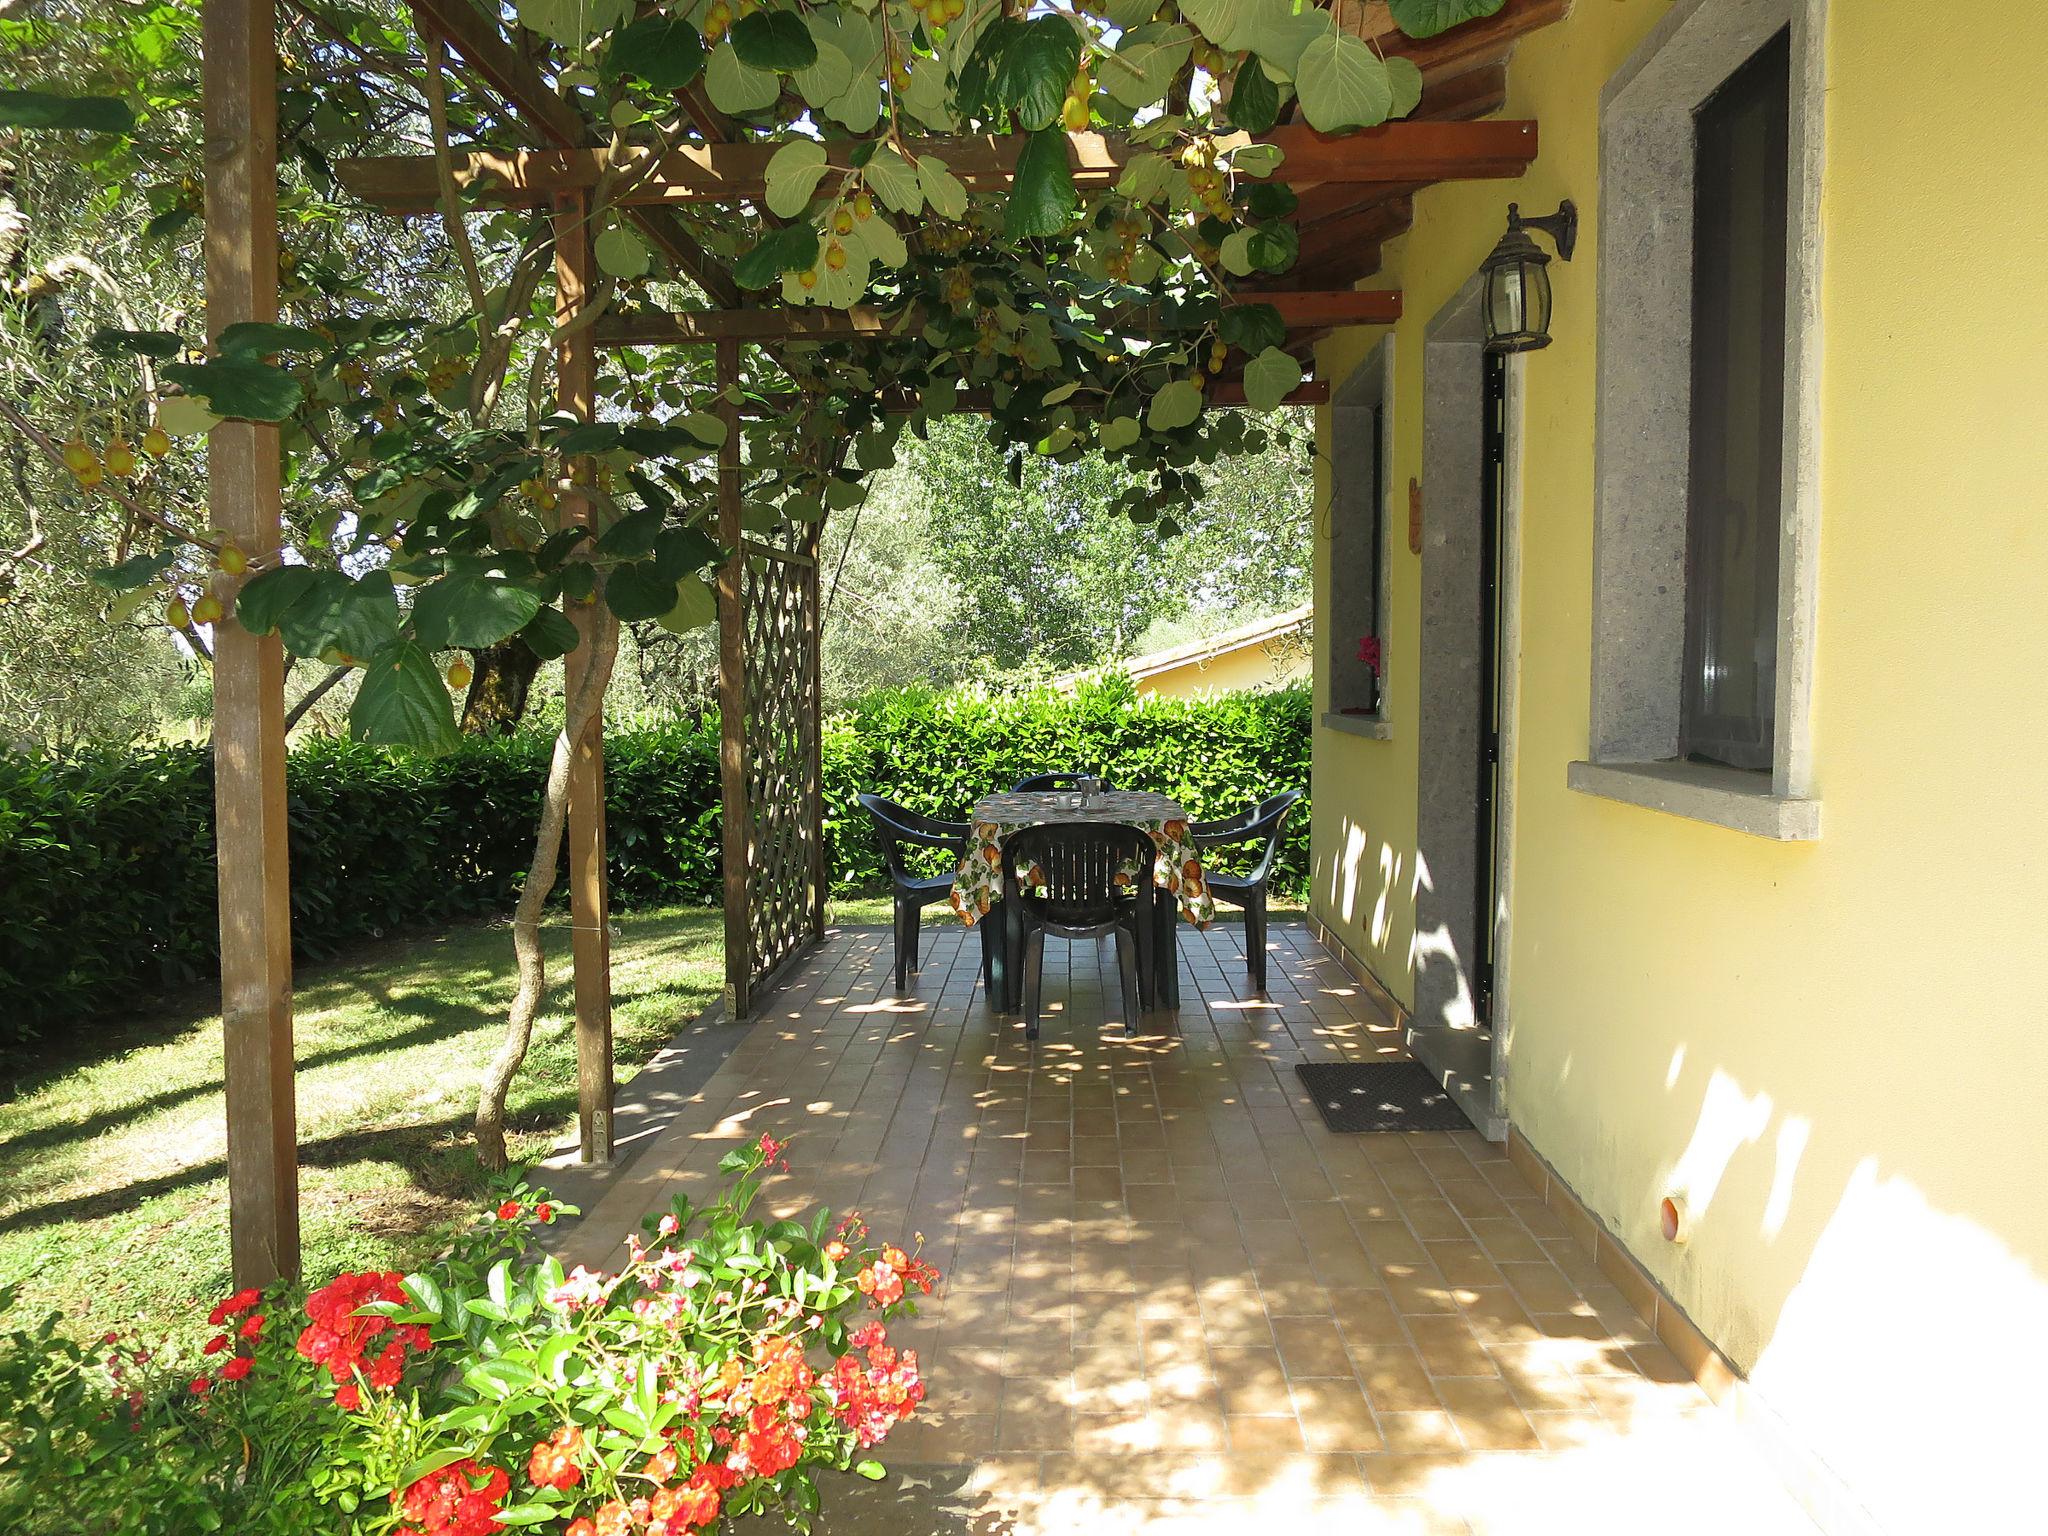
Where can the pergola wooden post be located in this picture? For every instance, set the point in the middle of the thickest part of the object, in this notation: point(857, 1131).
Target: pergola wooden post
point(244, 500)
point(732, 692)
point(589, 899)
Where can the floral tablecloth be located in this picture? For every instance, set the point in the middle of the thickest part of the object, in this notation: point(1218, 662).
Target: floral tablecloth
point(978, 883)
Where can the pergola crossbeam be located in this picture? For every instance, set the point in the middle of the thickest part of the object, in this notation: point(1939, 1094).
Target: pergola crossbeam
point(512, 76)
point(706, 327)
point(1402, 151)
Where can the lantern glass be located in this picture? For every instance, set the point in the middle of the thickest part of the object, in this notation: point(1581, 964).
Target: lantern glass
point(1518, 303)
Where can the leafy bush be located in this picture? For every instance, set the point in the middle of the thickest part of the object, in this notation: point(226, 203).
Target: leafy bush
point(717, 1375)
point(107, 856)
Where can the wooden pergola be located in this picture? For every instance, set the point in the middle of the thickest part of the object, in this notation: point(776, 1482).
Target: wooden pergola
point(1354, 193)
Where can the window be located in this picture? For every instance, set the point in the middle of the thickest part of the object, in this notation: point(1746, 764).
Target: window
point(1706, 512)
point(1738, 414)
point(1354, 629)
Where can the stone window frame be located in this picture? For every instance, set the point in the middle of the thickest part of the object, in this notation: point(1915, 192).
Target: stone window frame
point(1370, 384)
point(1643, 422)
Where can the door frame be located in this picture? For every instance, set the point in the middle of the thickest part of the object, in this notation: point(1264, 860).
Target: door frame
point(1451, 632)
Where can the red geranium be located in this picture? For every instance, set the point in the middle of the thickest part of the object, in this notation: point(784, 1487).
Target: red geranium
point(339, 1338)
point(462, 1499)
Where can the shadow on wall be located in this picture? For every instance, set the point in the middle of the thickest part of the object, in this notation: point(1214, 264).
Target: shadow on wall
point(1344, 880)
point(1907, 1351)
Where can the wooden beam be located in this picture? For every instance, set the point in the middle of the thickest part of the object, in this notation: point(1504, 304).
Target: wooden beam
point(979, 401)
point(732, 696)
point(244, 499)
point(706, 327)
point(1393, 152)
point(512, 75)
point(589, 900)
point(1338, 306)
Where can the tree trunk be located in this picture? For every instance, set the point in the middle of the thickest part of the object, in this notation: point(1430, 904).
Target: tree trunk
point(497, 694)
point(583, 705)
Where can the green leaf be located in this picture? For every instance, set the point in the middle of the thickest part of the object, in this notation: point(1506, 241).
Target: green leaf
point(1236, 253)
point(792, 176)
point(639, 591)
point(680, 551)
point(776, 40)
point(256, 337)
point(1270, 378)
point(665, 51)
point(1426, 18)
point(1273, 246)
point(550, 634)
point(239, 387)
point(1037, 64)
point(136, 569)
point(1406, 80)
point(825, 81)
point(40, 109)
point(1343, 84)
point(894, 180)
point(403, 702)
point(696, 605)
point(1145, 63)
point(622, 253)
point(706, 428)
point(573, 23)
point(111, 341)
point(942, 189)
point(1119, 432)
point(1042, 189)
point(263, 600)
point(1144, 177)
point(788, 249)
point(1252, 327)
point(1257, 159)
point(338, 613)
point(737, 87)
point(185, 416)
point(871, 1470)
point(632, 536)
point(1254, 98)
point(1178, 404)
point(471, 612)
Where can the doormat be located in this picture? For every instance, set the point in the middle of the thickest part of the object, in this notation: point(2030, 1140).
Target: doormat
point(1380, 1096)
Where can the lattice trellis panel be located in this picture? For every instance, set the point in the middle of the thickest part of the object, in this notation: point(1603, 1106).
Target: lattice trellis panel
point(784, 837)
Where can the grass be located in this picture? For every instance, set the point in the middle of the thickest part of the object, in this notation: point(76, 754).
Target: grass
point(113, 1194)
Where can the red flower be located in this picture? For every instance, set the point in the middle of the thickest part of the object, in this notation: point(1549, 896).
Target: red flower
point(553, 1462)
point(543, 1213)
point(881, 1283)
point(236, 1368)
point(252, 1327)
point(201, 1385)
point(216, 1344)
point(836, 1250)
point(462, 1499)
point(581, 1526)
point(770, 1451)
point(1369, 652)
point(508, 1210)
point(234, 1306)
point(339, 1335)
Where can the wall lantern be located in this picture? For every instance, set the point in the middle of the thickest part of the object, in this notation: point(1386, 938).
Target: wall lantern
point(1518, 284)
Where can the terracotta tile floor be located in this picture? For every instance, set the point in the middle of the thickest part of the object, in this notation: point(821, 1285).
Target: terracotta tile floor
point(1173, 1301)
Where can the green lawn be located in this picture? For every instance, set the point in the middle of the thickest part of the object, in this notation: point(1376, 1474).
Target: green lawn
point(113, 1196)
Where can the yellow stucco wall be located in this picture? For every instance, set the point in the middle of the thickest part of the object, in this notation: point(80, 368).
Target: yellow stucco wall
point(1249, 666)
point(1839, 1050)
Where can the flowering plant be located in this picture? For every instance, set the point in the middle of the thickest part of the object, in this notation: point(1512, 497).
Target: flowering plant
point(713, 1375)
point(1369, 652)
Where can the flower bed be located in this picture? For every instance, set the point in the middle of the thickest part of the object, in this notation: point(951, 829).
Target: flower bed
point(726, 1365)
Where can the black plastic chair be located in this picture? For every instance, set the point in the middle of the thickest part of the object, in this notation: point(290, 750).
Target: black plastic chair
point(1057, 781)
point(898, 826)
point(1260, 824)
point(1077, 886)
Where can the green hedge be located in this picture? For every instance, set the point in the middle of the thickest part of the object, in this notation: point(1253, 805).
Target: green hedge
point(106, 858)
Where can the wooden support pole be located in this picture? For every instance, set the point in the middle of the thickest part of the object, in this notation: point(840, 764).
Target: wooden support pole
point(589, 900)
point(244, 498)
point(814, 723)
point(732, 696)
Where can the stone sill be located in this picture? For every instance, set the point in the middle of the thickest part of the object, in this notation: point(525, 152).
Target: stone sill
point(1372, 727)
point(1726, 797)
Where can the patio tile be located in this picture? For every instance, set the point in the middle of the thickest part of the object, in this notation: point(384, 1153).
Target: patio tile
point(1173, 1303)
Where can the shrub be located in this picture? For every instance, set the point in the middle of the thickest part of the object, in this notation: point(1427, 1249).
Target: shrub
point(726, 1366)
point(107, 857)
